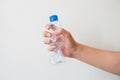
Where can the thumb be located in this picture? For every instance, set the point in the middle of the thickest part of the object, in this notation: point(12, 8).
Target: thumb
point(66, 35)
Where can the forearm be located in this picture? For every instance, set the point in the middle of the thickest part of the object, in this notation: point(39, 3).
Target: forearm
point(109, 61)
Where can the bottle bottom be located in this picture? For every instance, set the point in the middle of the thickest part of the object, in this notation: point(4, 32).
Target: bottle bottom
point(57, 58)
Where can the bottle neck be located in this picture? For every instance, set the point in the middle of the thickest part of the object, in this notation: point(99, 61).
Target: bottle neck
point(56, 23)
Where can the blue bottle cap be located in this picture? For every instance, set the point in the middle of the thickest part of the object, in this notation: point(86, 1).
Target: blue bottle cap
point(53, 18)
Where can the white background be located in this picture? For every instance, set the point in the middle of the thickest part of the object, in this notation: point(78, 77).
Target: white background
point(23, 56)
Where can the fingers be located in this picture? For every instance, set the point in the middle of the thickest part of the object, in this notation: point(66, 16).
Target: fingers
point(50, 26)
point(52, 48)
point(65, 34)
point(47, 34)
point(47, 41)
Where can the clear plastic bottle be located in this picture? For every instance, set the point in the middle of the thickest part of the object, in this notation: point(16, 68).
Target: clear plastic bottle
point(56, 57)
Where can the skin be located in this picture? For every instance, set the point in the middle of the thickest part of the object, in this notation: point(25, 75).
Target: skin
point(105, 60)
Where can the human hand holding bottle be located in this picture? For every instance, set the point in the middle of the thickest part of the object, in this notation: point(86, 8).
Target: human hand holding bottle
point(103, 59)
point(70, 45)
point(56, 40)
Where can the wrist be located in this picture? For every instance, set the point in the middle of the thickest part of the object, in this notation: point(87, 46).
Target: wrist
point(78, 49)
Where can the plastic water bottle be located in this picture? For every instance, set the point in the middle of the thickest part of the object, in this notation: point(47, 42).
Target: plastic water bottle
point(56, 57)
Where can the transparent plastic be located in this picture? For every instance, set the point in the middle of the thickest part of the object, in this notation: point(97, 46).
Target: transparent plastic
point(56, 56)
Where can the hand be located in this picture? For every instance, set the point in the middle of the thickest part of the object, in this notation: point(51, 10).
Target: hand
point(70, 44)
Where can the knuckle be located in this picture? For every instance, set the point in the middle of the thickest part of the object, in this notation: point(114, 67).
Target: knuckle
point(68, 34)
point(47, 26)
point(61, 29)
